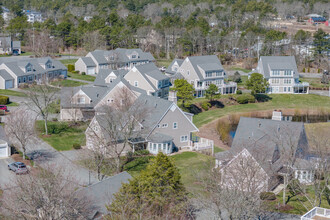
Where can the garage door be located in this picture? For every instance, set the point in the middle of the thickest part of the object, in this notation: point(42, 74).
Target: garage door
point(90, 71)
point(3, 152)
point(9, 84)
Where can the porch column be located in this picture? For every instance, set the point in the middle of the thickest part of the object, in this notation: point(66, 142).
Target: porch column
point(133, 148)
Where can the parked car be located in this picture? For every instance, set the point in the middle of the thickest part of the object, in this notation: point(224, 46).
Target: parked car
point(162, 69)
point(3, 107)
point(18, 168)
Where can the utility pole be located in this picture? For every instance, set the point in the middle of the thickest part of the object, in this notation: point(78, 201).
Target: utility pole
point(258, 47)
point(33, 42)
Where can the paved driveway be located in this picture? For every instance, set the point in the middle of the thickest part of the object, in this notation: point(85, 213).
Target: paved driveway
point(5, 175)
point(45, 155)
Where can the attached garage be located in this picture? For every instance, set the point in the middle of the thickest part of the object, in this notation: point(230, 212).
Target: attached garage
point(6, 80)
point(4, 149)
point(9, 84)
point(90, 70)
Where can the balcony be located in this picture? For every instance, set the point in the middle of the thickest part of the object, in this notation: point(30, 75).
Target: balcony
point(317, 213)
point(201, 144)
point(302, 84)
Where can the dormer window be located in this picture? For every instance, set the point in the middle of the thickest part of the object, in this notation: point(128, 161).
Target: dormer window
point(29, 68)
point(48, 65)
point(133, 56)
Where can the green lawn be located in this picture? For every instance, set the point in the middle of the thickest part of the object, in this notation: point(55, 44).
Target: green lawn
point(241, 84)
point(68, 83)
point(82, 77)
point(190, 165)
point(11, 92)
point(69, 61)
point(294, 202)
point(13, 104)
point(163, 62)
point(315, 82)
point(62, 135)
point(278, 101)
point(240, 69)
point(28, 53)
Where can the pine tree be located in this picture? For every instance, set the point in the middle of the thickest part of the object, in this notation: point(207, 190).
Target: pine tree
point(156, 193)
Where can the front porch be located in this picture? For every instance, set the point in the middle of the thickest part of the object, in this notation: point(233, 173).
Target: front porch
point(301, 88)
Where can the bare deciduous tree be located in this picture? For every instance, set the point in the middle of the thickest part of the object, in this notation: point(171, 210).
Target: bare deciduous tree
point(45, 194)
point(20, 128)
point(233, 191)
point(42, 43)
point(41, 97)
point(118, 125)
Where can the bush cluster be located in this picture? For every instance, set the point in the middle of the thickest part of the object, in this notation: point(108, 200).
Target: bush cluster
point(56, 128)
point(239, 92)
point(245, 98)
point(267, 196)
point(137, 164)
point(70, 67)
point(4, 100)
point(206, 105)
point(76, 146)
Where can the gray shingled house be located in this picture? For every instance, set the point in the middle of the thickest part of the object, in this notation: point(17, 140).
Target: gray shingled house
point(266, 144)
point(282, 74)
point(201, 71)
point(146, 77)
point(8, 46)
point(14, 72)
point(113, 59)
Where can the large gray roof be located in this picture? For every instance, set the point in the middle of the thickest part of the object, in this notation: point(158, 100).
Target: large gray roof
point(278, 63)
point(260, 137)
point(121, 55)
point(151, 70)
point(204, 62)
point(5, 42)
point(101, 193)
point(5, 75)
point(88, 61)
point(16, 44)
point(15, 65)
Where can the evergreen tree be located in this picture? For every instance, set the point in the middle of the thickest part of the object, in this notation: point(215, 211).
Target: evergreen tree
point(212, 92)
point(157, 193)
point(185, 91)
point(257, 83)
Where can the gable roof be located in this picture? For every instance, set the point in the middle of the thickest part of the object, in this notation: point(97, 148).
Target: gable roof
point(88, 61)
point(5, 75)
point(151, 70)
point(121, 55)
point(101, 193)
point(169, 68)
point(205, 63)
point(258, 137)
point(278, 63)
point(104, 73)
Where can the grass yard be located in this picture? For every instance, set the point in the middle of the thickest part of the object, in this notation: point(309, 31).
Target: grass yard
point(163, 62)
point(12, 93)
point(315, 82)
point(294, 205)
point(68, 61)
point(241, 84)
point(12, 104)
point(68, 83)
point(240, 69)
point(62, 135)
point(191, 164)
point(278, 101)
point(82, 77)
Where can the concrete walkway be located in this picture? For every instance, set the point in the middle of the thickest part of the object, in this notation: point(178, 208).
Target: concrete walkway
point(80, 80)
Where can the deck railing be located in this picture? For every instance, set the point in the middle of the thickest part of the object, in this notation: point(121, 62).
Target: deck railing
point(316, 211)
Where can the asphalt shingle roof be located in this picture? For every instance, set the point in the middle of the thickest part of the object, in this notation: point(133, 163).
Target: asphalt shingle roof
point(151, 70)
point(278, 63)
point(88, 61)
point(104, 73)
point(169, 68)
point(5, 75)
point(200, 61)
point(101, 193)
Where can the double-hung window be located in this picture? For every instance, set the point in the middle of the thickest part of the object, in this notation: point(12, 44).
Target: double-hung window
point(184, 138)
point(175, 125)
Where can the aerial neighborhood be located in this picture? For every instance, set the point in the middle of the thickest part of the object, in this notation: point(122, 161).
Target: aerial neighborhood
point(162, 110)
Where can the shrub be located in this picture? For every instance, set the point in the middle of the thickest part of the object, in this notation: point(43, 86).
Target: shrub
point(56, 128)
point(245, 98)
point(83, 73)
point(206, 106)
point(76, 146)
point(70, 68)
point(239, 92)
point(267, 196)
point(237, 77)
point(55, 119)
point(137, 164)
point(4, 100)
point(304, 70)
point(309, 69)
point(141, 152)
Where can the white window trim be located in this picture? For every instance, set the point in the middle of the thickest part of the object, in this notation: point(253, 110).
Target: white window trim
point(136, 83)
point(165, 125)
point(184, 138)
point(176, 125)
